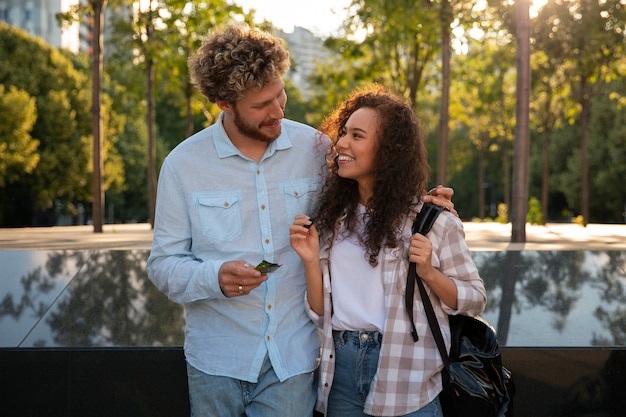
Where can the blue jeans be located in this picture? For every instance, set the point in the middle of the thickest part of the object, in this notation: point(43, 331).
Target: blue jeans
point(356, 360)
point(219, 396)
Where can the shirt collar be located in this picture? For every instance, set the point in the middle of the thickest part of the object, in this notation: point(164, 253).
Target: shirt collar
point(225, 147)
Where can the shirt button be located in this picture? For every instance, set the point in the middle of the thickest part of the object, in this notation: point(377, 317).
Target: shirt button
point(269, 306)
point(267, 337)
point(262, 206)
point(267, 241)
point(226, 204)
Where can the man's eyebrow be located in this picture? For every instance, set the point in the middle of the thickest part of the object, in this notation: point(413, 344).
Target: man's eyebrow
point(263, 103)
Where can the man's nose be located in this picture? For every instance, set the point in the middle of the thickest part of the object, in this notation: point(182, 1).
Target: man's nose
point(278, 110)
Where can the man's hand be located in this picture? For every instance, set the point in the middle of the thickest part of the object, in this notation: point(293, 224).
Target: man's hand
point(238, 278)
point(441, 196)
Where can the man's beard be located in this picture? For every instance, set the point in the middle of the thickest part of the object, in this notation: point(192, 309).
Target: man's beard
point(252, 132)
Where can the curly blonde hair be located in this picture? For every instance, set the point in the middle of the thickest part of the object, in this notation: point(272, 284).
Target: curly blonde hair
point(237, 59)
point(400, 176)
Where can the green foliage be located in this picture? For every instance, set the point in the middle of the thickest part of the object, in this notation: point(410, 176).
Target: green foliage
point(61, 127)
point(45, 122)
point(503, 214)
point(18, 150)
point(534, 211)
point(388, 42)
point(60, 138)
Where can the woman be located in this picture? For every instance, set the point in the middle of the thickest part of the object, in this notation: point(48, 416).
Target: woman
point(356, 256)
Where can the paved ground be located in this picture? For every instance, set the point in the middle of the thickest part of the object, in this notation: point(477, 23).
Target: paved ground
point(480, 237)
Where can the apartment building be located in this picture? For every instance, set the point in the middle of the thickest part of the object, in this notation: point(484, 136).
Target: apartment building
point(307, 51)
point(38, 18)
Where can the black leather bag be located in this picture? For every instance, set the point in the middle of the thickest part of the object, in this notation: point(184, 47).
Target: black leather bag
point(475, 383)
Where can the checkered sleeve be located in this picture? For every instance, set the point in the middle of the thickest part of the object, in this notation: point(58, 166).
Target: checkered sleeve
point(452, 257)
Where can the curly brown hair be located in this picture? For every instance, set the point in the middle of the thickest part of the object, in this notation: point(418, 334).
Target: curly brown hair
point(237, 59)
point(400, 177)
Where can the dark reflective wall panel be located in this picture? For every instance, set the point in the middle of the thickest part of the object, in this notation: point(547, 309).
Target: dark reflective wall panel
point(104, 299)
point(85, 333)
point(556, 298)
point(111, 382)
point(83, 299)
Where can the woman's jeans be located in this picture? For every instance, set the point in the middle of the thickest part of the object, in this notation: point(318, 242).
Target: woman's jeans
point(356, 360)
point(213, 396)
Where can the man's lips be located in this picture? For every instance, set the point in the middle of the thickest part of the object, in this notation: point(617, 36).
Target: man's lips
point(271, 125)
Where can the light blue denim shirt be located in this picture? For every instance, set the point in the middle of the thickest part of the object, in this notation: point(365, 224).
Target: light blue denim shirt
point(216, 205)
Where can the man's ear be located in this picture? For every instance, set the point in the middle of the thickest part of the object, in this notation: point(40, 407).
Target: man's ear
point(224, 106)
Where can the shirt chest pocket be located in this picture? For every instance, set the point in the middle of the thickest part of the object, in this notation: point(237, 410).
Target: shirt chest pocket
point(220, 215)
point(299, 197)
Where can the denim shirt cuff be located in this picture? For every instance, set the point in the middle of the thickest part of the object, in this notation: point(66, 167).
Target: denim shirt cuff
point(211, 272)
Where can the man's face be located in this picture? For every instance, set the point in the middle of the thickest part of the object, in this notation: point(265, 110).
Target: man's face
point(258, 114)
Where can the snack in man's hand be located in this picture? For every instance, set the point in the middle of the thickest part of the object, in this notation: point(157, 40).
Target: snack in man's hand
point(266, 267)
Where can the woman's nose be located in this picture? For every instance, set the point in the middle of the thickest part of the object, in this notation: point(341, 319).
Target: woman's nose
point(341, 142)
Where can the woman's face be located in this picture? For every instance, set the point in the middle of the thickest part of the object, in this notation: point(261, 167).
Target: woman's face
point(357, 149)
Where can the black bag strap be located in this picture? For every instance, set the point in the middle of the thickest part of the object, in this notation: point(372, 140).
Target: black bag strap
point(424, 220)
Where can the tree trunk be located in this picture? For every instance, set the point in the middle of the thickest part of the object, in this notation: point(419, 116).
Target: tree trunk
point(522, 124)
point(188, 98)
point(584, 167)
point(96, 116)
point(150, 121)
point(545, 184)
point(506, 167)
point(444, 109)
point(481, 182)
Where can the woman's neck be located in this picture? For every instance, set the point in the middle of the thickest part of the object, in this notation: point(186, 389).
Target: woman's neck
point(365, 194)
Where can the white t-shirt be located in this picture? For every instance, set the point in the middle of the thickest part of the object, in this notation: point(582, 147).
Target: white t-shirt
point(357, 287)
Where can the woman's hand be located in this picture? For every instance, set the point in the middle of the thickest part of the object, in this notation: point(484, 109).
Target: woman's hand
point(305, 241)
point(441, 196)
point(420, 252)
point(304, 238)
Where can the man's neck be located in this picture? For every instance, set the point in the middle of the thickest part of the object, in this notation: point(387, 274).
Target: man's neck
point(252, 148)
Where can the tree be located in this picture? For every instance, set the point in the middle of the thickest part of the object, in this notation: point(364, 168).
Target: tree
point(483, 105)
point(61, 129)
point(399, 43)
point(448, 12)
point(445, 16)
point(522, 124)
point(95, 9)
point(589, 36)
point(550, 92)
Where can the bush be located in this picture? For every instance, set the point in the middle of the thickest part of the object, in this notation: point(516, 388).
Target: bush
point(534, 215)
point(503, 214)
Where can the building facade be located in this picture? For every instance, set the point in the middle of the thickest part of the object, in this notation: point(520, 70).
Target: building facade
point(38, 18)
point(307, 52)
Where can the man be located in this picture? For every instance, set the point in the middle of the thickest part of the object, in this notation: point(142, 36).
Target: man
point(225, 200)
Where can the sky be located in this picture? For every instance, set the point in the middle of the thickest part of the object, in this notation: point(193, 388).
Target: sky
point(321, 17)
